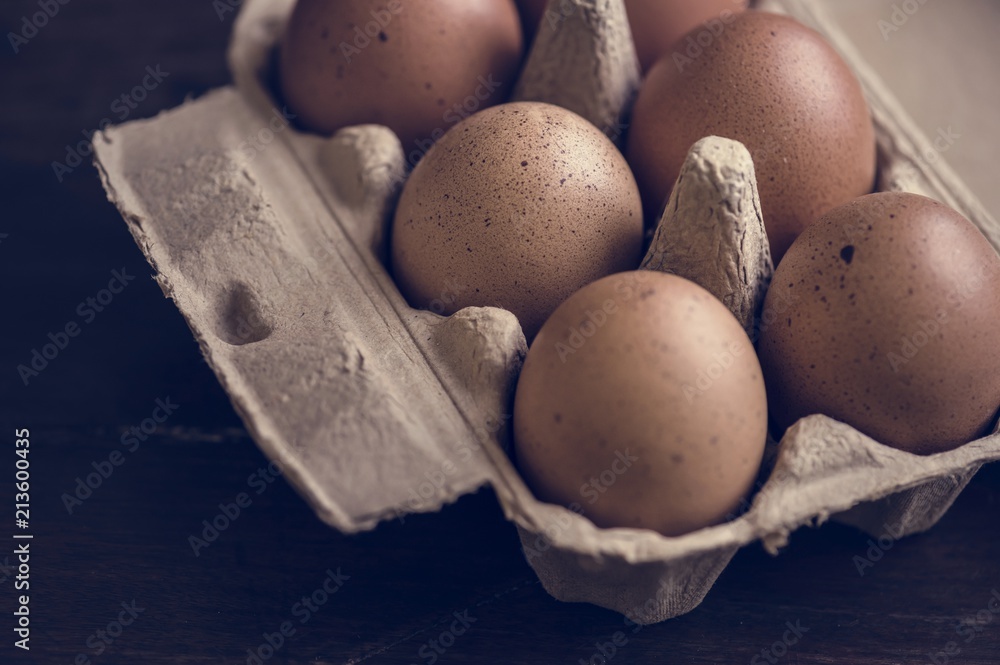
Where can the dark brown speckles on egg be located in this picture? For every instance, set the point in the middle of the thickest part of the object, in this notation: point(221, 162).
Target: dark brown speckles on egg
point(541, 242)
point(917, 310)
point(385, 78)
point(812, 151)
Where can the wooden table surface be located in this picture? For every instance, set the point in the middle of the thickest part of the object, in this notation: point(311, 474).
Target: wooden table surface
point(399, 588)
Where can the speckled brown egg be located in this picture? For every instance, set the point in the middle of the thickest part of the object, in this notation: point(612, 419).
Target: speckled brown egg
point(642, 403)
point(780, 89)
point(516, 207)
point(884, 315)
point(415, 66)
point(657, 25)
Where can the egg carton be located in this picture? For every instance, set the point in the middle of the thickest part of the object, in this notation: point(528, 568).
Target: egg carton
point(271, 242)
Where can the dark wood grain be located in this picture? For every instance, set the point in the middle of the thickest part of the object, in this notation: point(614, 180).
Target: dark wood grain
point(129, 540)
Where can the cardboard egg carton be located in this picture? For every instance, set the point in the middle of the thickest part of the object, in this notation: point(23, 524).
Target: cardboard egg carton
point(271, 243)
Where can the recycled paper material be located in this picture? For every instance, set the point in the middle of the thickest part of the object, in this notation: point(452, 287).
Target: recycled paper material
point(269, 241)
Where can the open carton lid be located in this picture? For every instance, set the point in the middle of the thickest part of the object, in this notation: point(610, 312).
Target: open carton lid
point(269, 242)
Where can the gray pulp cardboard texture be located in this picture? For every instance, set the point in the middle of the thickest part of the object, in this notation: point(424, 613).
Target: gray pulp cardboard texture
point(270, 241)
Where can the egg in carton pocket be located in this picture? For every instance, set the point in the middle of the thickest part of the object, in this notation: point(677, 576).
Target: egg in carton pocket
point(271, 242)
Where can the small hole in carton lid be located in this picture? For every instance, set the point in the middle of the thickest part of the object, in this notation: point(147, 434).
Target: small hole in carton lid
point(240, 317)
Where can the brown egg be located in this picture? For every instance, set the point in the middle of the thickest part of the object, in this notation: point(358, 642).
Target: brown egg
point(642, 402)
point(417, 67)
point(884, 315)
point(780, 89)
point(516, 207)
point(657, 25)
